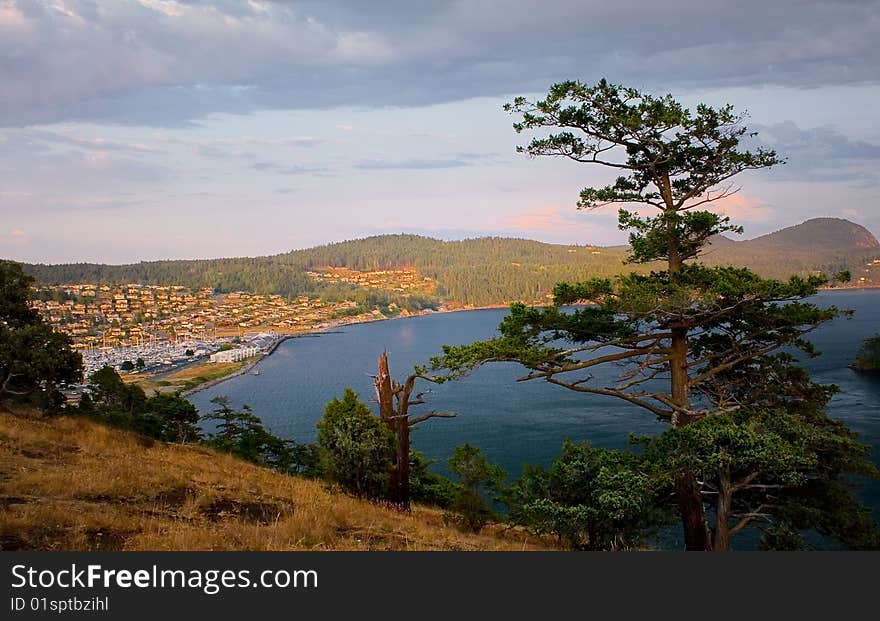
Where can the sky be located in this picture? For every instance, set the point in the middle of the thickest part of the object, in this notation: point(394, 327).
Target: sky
point(150, 129)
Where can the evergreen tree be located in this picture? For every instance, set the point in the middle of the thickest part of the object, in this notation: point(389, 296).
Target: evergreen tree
point(357, 450)
point(708, 335)
point(476, 476)
point(241, 433)
point(35, 361)
point(591, 499)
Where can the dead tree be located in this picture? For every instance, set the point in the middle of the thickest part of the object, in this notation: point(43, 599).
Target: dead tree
point(394, 401)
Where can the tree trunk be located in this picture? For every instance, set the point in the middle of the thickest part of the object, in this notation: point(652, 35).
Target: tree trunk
point(723, 509)
point(384, 392)
point(398, 422)
point(679, 374)
point(402, 465)
point(693, 517)
point(687, 488)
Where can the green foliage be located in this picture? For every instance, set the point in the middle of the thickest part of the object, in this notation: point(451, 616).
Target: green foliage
point(112, 398)
point(127, 365)
point(787, 469)
point(591, 499)
point(429, 488)
point(242, 434)
point(672, 158)
point(15, 289)
point(729, 304)
point(176, 418)
point(139, 363)
point(225, 346)
point(868, 358)
point(356, 449)
point(35, 361)
point(476, 476)
point(166, 417)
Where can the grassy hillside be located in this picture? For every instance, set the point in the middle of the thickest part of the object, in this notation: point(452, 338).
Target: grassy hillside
point(72, 484)
point(483, 271)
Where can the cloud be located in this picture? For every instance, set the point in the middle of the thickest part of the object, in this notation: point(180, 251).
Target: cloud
point(170, 63)
point(546, 218)
point(14, 237)
point(344, 128)
point(67, 138)
point(562, 224)
point(283, 169)
point(825, 142)
point(742, 208)
point(412, 164)
point(457, 160)
point(821, 154)
point(52, 170)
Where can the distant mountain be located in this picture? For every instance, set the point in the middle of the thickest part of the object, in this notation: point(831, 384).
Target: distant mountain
point(831, 233)
point(822, 244)
point(484, 271)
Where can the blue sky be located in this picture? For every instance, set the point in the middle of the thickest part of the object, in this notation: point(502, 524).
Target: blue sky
point(148, 129)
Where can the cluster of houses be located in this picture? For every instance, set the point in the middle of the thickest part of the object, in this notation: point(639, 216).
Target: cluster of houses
point(404, 280)
point(165, 325)
point(98, 317)
point(871, 275)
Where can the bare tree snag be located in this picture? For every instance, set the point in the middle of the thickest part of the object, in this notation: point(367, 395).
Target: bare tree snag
point(394, 400)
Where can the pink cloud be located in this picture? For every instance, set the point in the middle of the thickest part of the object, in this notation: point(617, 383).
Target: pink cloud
point(562, 225)
point(546, 218)
point(15, 237)
point(742, 208)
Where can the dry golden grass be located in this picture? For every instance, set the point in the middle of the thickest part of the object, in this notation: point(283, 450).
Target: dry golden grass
point(71, 484)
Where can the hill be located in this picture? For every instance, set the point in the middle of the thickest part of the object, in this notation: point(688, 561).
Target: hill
point(819, 233)
point(72, 484)
point(823, 244)
point(482, 271)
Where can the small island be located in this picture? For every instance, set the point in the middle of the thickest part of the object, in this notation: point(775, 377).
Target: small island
point(868, 360)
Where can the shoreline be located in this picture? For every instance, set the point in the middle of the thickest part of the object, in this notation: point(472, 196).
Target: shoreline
point(243, 370)
point(317, 332)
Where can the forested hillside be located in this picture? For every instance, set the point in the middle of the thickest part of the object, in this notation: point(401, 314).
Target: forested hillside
point(482, 271)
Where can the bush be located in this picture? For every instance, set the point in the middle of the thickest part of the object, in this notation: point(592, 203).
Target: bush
point(241, 433)
point(429, 488)
point(356, 449)
point(591, 498)
point(167, 417)
point(476, 476)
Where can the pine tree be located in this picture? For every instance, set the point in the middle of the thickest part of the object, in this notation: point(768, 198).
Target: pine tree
point(707, 335)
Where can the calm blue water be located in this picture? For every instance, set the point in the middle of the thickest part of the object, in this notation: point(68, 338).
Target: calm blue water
point(514, 423)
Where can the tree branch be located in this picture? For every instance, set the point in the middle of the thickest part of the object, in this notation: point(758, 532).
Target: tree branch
point(666, 414)
point(420, 419)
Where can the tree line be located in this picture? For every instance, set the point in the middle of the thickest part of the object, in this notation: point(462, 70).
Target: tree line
point(477, 271)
